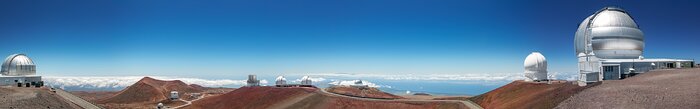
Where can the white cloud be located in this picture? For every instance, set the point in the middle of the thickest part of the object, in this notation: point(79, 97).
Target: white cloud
point(352, 82)
point(123, 81)
point(313, 79)
point(450, 77)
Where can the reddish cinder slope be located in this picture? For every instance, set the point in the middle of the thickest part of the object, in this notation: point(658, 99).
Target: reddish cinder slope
point(323, 101)
point(198, 87)
point(528, 95)
point(251, 98)
point(149, 90)
point(307, 98)
point(364, 92)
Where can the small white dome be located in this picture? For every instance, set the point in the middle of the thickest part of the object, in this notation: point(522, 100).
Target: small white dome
point(535, 67)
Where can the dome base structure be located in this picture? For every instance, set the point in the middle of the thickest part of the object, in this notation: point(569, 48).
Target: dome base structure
point(19, 70)
point(535, 76)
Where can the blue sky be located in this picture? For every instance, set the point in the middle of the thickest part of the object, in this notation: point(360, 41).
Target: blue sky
point(137, 37)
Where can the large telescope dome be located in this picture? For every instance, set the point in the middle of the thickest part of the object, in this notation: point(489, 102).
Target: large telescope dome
point(306, 80)
point(280, 80)
point(18, 65)
point(610, 33)
point(535, 66)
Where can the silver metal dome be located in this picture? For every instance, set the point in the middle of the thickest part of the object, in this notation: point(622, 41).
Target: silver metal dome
point(610, 33)
point(18, 65)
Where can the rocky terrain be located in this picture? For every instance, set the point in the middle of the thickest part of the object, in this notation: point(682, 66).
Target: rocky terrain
point(528, 95)
point(251, 98)
point(146, 93)
point(366, 92)
point(308, 98)
point(32, 98)
point(660, 89)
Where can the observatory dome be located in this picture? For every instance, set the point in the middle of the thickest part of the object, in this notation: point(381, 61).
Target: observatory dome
point(280, 80)
point(535, 67)
point(18, 65)
point(306, 80)
point(610, 33)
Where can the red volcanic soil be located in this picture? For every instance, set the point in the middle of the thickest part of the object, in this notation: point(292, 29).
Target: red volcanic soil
point(251, 98)
point(198, 87)
point(658, 89)
point(323, 101)
point(367, 92)
point(306, 98)
point(150, 91)
point(528, 95)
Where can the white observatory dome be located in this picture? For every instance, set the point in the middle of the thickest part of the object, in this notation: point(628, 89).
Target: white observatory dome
point(18, 65)
point(306, 80)
point(610, 33)
point(280, 80)
point(535, 67)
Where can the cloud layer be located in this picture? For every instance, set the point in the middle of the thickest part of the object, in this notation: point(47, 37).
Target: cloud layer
point(313, 79)
point(118, 82)
point(448, 77)
point(123, 81)
point(352, 82)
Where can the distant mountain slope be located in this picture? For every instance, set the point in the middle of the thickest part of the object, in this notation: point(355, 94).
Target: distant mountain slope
point(306, 98)
point(251, 98)
point(149, 90)
point(367, 92)
point(659, 89)
point(527, 95)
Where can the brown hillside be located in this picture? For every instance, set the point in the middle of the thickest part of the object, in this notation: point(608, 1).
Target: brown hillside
point(251, 98)
point(528, 95)
point(307, 98)
point(368, 92)
point(323, 101)
point(149, 90)
point(198, 87)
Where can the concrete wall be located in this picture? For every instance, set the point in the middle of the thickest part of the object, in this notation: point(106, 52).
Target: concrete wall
point(10, 80)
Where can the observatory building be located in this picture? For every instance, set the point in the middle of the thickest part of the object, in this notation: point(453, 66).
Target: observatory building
point(305, 80)
point(609, 46)
point(535, 67)
point(19, 70)
point(253, 81)
point(174, 95)
point(280, 81)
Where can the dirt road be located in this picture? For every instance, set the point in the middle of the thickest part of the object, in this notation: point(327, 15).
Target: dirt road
point(76, 100)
